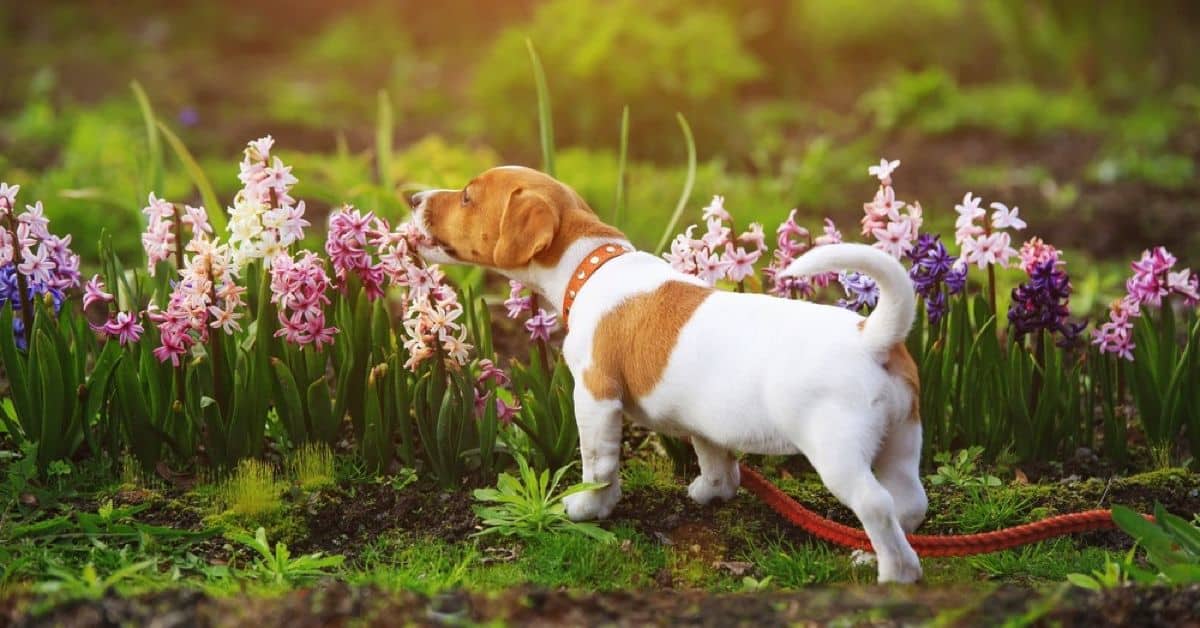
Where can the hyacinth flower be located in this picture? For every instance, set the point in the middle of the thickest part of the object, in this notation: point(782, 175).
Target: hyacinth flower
point(491, 374)
point(350, 231)
point(264, 219)
point(34, 263)
point(717, 255)
point(1040, 305)
point(298, 290)
point(989, 243)
point(123, 326)
point(791, 241)
point(1154, 280)
point(894, 232)
point(935, 274)
point(204, 295)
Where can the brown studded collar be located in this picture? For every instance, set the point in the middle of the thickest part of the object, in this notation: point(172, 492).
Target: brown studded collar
point(584, 271)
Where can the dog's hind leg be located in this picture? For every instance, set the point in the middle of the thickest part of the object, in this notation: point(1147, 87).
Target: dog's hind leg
point(844, 464)
point(719, 476)
point(599, 422)
point(898, 467)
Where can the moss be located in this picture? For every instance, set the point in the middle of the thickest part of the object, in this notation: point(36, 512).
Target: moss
point(312, 467)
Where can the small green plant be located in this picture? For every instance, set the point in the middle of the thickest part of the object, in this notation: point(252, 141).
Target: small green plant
point(312, 467)
point(87, 582)
point(400, 481)
point(530, 505)
point(1115, 573)
point(277, 566)
point(252, 492)
point(1172, 546)
point(750, 584)
point(961, 470)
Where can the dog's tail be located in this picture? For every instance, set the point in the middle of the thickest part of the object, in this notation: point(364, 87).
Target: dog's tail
point(893, 316)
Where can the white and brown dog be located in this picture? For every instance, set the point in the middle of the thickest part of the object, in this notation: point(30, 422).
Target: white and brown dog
point(733, 372)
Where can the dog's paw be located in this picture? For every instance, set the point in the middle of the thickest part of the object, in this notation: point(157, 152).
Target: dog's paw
point(862, 558)
point(905, 571)
point(704, 489)
point(590, 505)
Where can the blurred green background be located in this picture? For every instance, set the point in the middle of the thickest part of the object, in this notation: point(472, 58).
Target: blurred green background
point(1086, 115)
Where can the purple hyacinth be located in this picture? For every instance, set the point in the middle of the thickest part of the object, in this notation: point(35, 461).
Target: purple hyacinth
point(9, 294)
point(933, 268)
point(861, 291)
point(1041, 304)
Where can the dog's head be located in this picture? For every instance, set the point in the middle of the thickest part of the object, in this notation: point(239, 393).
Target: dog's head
point(506, 218)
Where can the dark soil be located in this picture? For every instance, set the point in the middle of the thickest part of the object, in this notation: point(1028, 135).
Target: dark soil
point(346, 520)
point(336, 604)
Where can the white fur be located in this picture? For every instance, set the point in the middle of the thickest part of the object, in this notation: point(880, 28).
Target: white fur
point(893, 316)
point(759, 374)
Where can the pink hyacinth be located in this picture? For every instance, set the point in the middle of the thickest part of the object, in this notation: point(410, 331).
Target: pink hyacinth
point(158, 241)
point(710, 268)
point(8, 197)
point(1148, 285)
point(829, 235)
point(299, 291)
point(125, 327)
point(516, 304)
point(505, 413)
point(739, 263)
point(714, 255)
point(349, 232)
point(884, 170)
point(894, 232)
point(754, 236)
point(793, 240)
point(1035, 252)
point(968, 212)
point(1186, 284)
point(93, 292)
point(1116, 335)
point(989, 244)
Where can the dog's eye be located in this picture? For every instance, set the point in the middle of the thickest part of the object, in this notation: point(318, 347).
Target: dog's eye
point(466, 199)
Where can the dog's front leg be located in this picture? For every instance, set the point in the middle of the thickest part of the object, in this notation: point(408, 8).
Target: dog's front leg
point(599, 422)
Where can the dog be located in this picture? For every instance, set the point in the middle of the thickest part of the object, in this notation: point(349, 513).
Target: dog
point(729, 371)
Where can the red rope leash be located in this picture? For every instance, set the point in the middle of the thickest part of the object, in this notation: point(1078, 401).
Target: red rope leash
point(924, 544)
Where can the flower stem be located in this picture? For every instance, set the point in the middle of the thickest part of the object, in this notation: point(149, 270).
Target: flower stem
point(26, 302)
point(178, 237)
point(992, 292)
point(214, 349)
point(543, 346)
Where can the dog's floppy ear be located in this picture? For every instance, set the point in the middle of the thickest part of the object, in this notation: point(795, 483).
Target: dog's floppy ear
point(527, 227)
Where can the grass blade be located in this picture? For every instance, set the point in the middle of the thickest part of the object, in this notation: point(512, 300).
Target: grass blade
point(216, 212)
point(687, 185)
point(153, 146)
point(545, 116)
point(619, 205)
point(384, 126)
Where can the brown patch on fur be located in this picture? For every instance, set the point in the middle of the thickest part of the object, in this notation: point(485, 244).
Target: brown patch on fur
point(634, 341)
point(900, 363)
point(510, 217)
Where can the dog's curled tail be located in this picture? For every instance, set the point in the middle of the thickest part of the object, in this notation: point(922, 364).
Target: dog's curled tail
point(893, 315)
